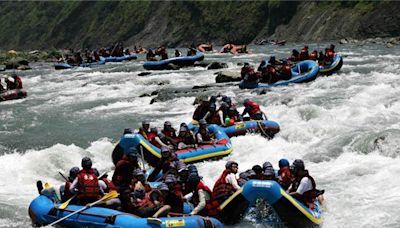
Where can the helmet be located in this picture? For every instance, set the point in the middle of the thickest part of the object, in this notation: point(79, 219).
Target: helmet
point(128, 131)
point(193, 179)
point(298, 164)
point(170, 178)
point(229, 164)
point(183, 129)
point(228, 100)
point(167, 123)
point(86, 163)
point(257, 169)
point(283, 162)
point(213, 99)
point(192, 169)
point(269, 172)
point(164, 149)
point(153, 129)
point(180, 166)
point(11, 79)
point(73, 172)
point(246, 102)
point(138, 172)
point(212, 107)
point(202, 122)
point(145, 122)
point(163, 186)
point(267, 165)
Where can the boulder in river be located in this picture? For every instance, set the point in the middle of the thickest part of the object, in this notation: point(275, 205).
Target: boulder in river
point(228, 76)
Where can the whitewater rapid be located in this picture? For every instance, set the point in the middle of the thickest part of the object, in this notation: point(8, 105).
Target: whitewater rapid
point(345, 127)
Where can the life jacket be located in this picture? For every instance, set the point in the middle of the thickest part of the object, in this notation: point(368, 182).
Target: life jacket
point(309, 196)
point(67, 193)
point(329, 55)
point(10, 85)
point(88, 185)
point(18, 79)
point(286, 69)
point(253, 109)
point(109, 184)
point(313, 55)
point(123, 173)
point(285, 177)
point(303, 54)
point(147, 200)
point(169, 133)
point(206, 136)
point(152, 139)
point(211, 205)
point(201, 111)
point(222, 189)
point(144, 133)
point(271, 70)
point(214, 118)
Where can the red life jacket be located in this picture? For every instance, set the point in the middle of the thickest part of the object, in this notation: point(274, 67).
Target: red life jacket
point(222, 188)
point(303, 54)
point(169, 133)
point(88, 185)
point(286, 69)
point(146, 202)
point(211, 207)
point(285, 177)
point(18, 79)
point(152, 139)
point(253, 109)
point(314, 55)
point(329, 55)
point(271, 70)
point(67, 194)
point(214, 119)
point(110, 185)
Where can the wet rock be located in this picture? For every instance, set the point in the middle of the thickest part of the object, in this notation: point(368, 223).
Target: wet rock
point(144, 73)
point(217, 65)
point(343, 41)
point(172, 66)
point(228, 76)
point(154, 93)
point(145, 95)
point(17, 63)
point(201, 63)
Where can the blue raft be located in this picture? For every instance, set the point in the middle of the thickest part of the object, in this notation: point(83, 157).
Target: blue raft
point(43, 211)
point(303, 71)
point(335, 66)
point(287, 210)
point(267, 128)
point(152, 154)
point(179, 61)
point(62, 66)
point(120, 58)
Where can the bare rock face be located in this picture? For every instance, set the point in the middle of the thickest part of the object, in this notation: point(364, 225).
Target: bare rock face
point(228, 76)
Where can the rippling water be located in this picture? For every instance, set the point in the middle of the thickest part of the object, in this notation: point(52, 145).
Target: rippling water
point(345, 127)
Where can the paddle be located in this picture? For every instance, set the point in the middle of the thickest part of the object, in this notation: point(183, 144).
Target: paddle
point(66, 179)
point(65, 204)
point(106, 197)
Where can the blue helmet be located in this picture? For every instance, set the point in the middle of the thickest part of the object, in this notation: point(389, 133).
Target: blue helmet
point(283, 162)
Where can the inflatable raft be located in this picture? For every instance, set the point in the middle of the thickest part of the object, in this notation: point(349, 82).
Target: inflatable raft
point(303, 71)
point(62, 66)
point(335, 66)
point(13, 94)
point(152, 154)
point(43, 211)
point(286, 209)
point(267, 128)
point(179, 61)
point(120, 58)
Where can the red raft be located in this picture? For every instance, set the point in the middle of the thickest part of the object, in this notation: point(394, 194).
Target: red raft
point(13, 94)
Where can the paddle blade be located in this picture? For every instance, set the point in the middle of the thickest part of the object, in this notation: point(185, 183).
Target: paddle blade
point(110, 195)
point(65, 204)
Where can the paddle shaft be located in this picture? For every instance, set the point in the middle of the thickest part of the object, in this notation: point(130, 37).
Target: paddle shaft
point(66, 179)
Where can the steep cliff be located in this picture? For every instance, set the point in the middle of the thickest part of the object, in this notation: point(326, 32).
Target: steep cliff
point(31, 25)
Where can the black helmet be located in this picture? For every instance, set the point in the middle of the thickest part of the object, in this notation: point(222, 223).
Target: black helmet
point(86, 163)
point(167, 123)
point(257, 169)
point(202, 122)
point(229, 164)
point(128, 131)
point(73, 172)
point(298, 164)
point(145, 122)
point(213, 99)
point(212, 107)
